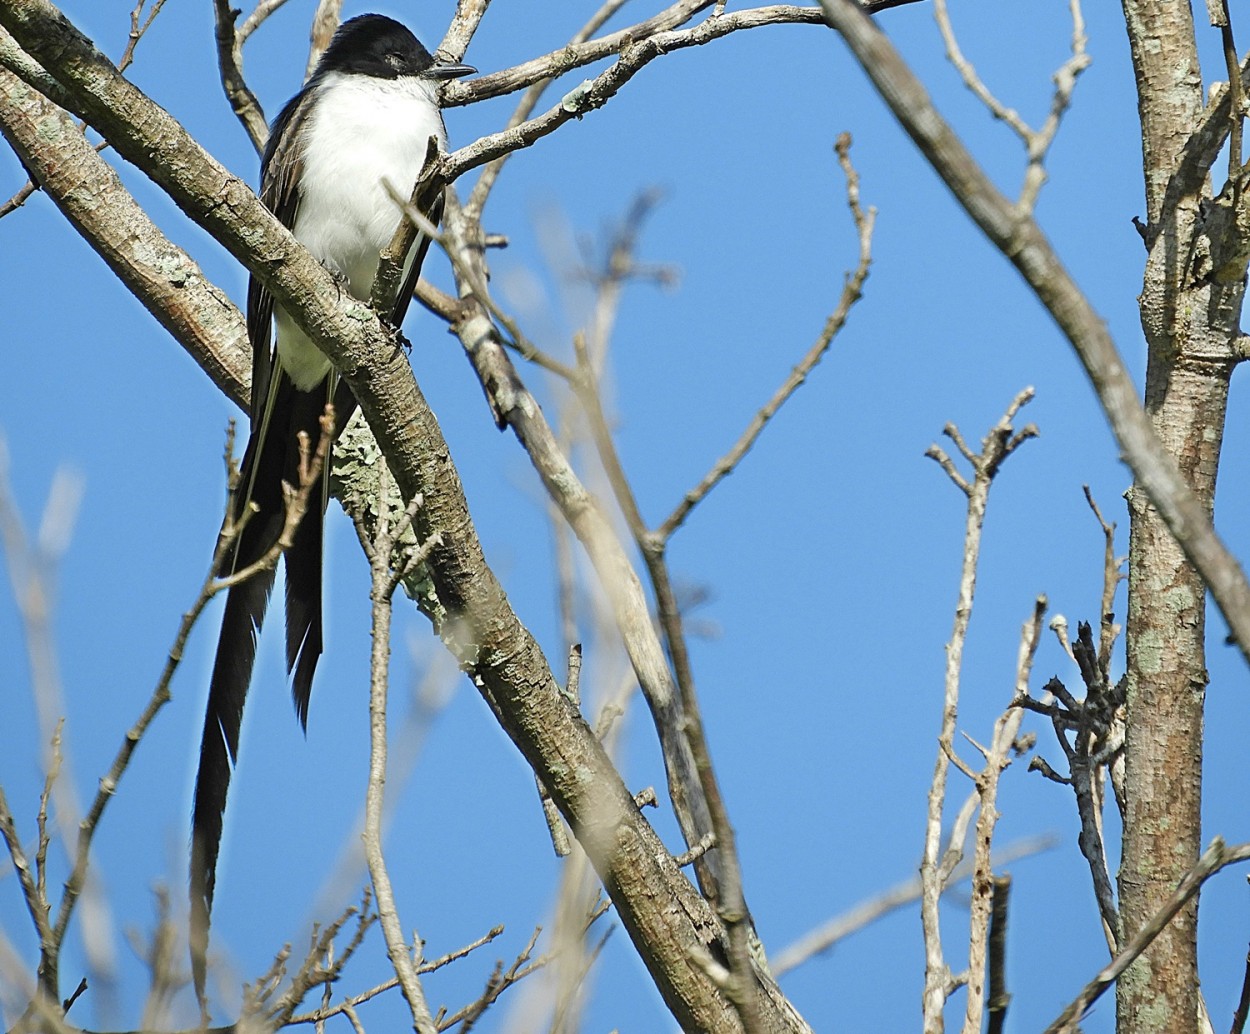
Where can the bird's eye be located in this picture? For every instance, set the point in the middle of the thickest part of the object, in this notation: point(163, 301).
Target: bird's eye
point(395, 60)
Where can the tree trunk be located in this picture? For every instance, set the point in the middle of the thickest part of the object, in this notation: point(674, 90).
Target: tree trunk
point(1190, 306)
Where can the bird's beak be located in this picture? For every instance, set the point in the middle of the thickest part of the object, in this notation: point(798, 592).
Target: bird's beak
point(449, 70)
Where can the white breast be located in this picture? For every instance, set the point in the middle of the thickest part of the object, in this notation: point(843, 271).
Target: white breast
point(362, 131)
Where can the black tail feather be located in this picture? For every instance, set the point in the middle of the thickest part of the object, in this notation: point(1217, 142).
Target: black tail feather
point(272, 456)
point(303, 569)
point(219, 746)
point(304, 637)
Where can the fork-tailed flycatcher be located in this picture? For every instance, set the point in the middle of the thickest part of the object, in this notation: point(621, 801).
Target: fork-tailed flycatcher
point(365, 117)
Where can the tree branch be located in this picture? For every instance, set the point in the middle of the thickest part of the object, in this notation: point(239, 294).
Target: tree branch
point(474, 618)
point(1021, 240)
point(1215, 858)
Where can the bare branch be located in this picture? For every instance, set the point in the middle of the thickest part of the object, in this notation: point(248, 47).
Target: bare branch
point(230, 67)
point(137, 30)
point(637, 47)
point(26, 875)
point(999, 997)
point(996, 446)
point(1112, 576)
point(1021, 240)
point(482, 188)
point(1214, 858)
point(379, 548)
point(1036, 141)
point(327, 1011)
point(262, 11)
point(1096, 726)
point(324, 21)
point(261, 1001)
point(842, 926)
point(852, 291)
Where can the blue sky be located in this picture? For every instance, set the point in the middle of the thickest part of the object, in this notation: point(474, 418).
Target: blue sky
point(830, 557)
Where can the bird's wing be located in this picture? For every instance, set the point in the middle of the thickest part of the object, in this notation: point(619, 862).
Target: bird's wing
point(281, 168)
point(430, 204)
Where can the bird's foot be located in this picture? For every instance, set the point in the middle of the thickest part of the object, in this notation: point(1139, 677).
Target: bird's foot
point(340, 278)
point(397, 335)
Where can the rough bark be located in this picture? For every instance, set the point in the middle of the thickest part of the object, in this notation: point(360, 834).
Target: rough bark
point(1189, 313)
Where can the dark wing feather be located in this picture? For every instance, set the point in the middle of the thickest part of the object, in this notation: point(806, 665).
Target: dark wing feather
point(281, 169)
point(432, 208)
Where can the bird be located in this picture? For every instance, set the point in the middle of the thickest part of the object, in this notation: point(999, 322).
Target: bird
point(365, 118)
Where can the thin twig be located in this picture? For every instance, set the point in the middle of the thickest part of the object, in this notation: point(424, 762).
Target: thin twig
point(137, 30)
point(500, 980)
point(41, 820)
point(852, 290)
point(1096, 726)
point(242, 100)
point(996, 446)
point(25, 872)
point(1214, 858)
point(1037, 141)
point(1112, 576)
point(325, 1012)
point(319, 965)
point(1022, 241)
point(263, 9)
point(490, 174)
point(379, 548)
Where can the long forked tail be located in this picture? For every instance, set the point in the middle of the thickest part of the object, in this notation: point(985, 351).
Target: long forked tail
point(272, 456)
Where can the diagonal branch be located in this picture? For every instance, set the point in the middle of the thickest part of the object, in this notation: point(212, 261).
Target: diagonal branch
point(852, 290)
point(89, 193)
point(1022, 241)
point(230, 68)
point(1215, 858)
